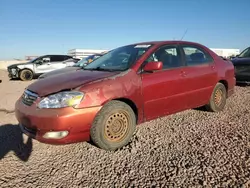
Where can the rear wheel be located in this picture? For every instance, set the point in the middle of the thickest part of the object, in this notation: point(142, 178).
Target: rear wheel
point(218, 98)
point(26, 75)
point(114, 126)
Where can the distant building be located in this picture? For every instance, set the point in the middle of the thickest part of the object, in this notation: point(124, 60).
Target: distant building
point(226, 52)
point(81, 53)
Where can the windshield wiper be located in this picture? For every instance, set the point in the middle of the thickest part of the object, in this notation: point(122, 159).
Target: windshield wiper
point(100, 69)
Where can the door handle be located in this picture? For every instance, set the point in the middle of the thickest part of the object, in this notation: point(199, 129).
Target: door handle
point(213, 67)
point(48, 63)
point(183, 74)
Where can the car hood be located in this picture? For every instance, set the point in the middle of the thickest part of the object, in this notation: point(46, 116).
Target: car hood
point(240, 60)
point(15, 65)
point(59, 71)
point(69, 80)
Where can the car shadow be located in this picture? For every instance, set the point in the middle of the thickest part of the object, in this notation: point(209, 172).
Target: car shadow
point(11, 139)
point(242, 85)
point(17, 79)
point(201, 108)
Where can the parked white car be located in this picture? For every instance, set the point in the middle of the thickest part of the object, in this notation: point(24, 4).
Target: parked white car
point(79, 65)
point(40, 65)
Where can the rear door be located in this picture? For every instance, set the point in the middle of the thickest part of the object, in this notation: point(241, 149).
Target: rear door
point(57, 62)
point(164, 90)
point(200, 73)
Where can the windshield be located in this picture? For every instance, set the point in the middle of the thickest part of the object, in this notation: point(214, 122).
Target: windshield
point(85, 60)
point(245, 53)
point(119, 59)
point(33, 60)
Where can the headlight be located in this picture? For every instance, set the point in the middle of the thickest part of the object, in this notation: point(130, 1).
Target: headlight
point(62, 99)
point(13, 71)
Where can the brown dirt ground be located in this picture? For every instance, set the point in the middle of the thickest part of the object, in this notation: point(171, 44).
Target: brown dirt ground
point(191, 148)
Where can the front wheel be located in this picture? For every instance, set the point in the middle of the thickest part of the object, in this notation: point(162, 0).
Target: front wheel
point(26, 75)
point(218, 98)
point(114, 126)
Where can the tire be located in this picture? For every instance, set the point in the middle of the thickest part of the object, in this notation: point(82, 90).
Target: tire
point(218, 98)
point(111, 136)
point(26, 75)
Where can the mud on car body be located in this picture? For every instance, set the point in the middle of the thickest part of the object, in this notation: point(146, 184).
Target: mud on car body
point(40, 65)
point(105, 100)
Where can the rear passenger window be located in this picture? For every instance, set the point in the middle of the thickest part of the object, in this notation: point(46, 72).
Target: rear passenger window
point(67, 57)
point(55, 58)
point(196, 56)
point(168, 55)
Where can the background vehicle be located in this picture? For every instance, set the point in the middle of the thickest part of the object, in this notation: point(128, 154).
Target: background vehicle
point(40, 65)
point(76, 66)
point(105, 100)
point(242, 66)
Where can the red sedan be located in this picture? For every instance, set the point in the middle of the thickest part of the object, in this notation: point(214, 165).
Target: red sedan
point(129, 85)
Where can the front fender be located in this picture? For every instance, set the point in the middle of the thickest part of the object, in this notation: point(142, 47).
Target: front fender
point(125, 85)
point(26, 66)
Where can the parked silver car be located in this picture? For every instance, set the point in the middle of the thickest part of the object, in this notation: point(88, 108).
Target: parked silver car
point(40, 65)
point(82, 63)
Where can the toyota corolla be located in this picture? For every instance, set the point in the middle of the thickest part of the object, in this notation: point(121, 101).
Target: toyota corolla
point(129, 85)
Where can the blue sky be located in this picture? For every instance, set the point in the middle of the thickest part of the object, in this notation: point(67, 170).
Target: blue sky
point(31, 27)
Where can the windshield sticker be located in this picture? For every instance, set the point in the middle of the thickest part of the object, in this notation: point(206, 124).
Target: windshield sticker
point(142, 46)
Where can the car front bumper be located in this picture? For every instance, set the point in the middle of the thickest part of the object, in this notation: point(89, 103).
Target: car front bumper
point(13, 73)
point(74, 124)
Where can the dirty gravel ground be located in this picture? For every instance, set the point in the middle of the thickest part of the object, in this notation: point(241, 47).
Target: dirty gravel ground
point(191, 148)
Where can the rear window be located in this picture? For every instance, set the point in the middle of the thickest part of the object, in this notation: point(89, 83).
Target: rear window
point(57, 58)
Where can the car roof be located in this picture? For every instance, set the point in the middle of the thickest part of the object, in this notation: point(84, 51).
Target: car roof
point(167, 42)
point(55, 55)
point(97, 54)
point(58, 54)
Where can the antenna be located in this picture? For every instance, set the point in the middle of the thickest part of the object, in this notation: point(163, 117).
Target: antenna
point(184, 34)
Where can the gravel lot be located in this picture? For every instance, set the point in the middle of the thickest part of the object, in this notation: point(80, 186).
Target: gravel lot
point(191, 148)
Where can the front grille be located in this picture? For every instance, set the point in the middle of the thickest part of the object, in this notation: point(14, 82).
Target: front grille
point(12, 71)
point(29, 97)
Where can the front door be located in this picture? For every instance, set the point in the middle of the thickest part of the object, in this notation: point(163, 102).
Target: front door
point(242, 66)
point(163, 91)
point(57, 62)
point(42, 65)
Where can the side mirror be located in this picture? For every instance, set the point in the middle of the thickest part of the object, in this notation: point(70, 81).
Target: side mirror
point(39, 62)
point(153, 66)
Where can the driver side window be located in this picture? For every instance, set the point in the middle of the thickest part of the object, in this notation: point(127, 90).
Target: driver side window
point(168, 55)
point(44, 59)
